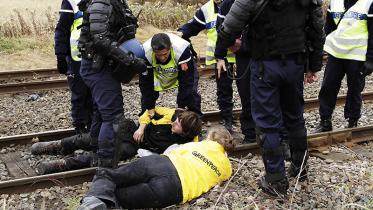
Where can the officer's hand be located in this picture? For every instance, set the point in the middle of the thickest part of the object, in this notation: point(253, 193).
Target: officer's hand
point(157, 116)
point(310, 77)
point(236, 46)
point(184, 66)
point(138, 136)
point(368, 68)
point(220, 66)
point(138, 65)
point(62, 64)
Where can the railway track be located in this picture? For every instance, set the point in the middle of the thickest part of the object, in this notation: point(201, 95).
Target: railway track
point(28, 181)
point(9, 88)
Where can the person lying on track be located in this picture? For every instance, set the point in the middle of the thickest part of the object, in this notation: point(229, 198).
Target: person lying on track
point(158, 181)
point(167, 127)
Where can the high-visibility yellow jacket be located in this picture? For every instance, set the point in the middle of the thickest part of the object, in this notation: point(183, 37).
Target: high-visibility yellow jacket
point(200, 166)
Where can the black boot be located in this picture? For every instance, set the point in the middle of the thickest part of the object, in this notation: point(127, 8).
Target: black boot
point(47, 148)
point(298, 165)
point(53, 166)
point(352, 123)
point(324, 126)
point(274, 186)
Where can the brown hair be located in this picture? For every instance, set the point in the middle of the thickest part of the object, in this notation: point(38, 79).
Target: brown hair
point(190, 123)
point(222, 136)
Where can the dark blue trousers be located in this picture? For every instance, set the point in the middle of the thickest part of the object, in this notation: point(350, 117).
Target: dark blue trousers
point(224, 92)
point(81, 98)
point(335, 70)
point(243, 87)
point(107, 95)
point(276, 100)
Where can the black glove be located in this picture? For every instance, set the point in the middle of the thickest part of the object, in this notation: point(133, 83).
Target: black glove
point(157, 116)
point(368, 68)
point(138, 66)
point(225, 39)
point(62, 64)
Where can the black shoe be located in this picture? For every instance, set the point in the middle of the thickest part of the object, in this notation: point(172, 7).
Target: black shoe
point(53, 166)
point(47, 148)
point(228, 125)
point(278, 188)
point(324, 126)
point(352, 123)
point(294, 171)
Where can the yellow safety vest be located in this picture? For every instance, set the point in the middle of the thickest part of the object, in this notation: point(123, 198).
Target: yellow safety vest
point(74, 31)
point(200, 166)
point(210, 15)
point(166, 76)
point(350, 39)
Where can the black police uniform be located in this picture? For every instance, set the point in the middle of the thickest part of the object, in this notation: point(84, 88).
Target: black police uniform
point(282, 35)
point(107, 24)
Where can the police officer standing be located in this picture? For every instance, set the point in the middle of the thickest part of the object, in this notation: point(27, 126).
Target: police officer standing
point(283, 35)
point(205, 18)
point(68, 62)
point(349, 45)
point(242, 75)
point(170, 65)
point(106, 25)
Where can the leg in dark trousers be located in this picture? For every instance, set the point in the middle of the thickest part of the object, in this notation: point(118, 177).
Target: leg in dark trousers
point(243, 86)
point(355, 83)
point(224, 93)
point(333, 75)
point(81, 98)
point(150, 182)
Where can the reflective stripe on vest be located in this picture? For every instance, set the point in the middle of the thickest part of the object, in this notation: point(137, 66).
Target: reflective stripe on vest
point(336, 9)
point(74, 31)
point(165, 76)
point(350, 39)
point(208, 11)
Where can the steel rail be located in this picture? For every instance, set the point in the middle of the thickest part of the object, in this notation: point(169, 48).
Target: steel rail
point(9, 88)
point(315, 141)
point(208, 116)
point(211, 116)
point(23, 74)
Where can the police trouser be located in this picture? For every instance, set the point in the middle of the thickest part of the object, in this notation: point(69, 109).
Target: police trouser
point(335, 70)
point(81, 98)
point(149, 182)
point(224, 93)
point(277, 99)
point(107, 95)
point(243, 87)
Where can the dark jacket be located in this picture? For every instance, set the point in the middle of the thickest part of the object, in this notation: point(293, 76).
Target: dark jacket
point(62, 31)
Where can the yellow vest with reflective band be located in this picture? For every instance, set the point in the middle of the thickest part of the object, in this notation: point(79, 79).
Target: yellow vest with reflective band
point(75, 32)
point(200, 166)
point(165, 120)
point(350, 39)
point(208, 11)
point(166, 76)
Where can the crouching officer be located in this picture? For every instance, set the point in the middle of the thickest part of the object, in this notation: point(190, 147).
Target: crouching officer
point(68, 62)
point(170, 65)
point(279, 34)
point(106, 25)
point(350, 47)
point(205, 19)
